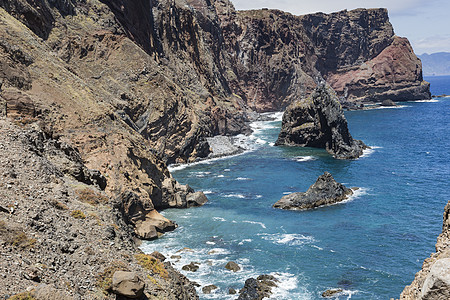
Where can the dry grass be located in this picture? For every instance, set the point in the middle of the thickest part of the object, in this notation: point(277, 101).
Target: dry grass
point(88, 195)
point(22, 296)
point(15, 237)
point(150, 263)
point(78, 214)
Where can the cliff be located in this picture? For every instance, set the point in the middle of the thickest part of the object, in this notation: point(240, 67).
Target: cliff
point(132, 86)
point(432, 281)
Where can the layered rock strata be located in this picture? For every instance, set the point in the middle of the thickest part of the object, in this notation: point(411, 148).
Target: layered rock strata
point(318, 121)
point(432, 282)
point(325, 191)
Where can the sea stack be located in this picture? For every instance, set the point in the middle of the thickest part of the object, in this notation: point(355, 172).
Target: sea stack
point(318, 121)
point(325, 191)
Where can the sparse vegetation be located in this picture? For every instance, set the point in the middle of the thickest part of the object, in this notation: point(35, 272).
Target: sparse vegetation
point(78, 214)
point(150, 263)
point(58, 205)
point(88, 195)
point(22, 296)
point(15, 237)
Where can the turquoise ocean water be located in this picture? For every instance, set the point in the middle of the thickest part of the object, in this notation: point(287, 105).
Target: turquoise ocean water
point(371, 246)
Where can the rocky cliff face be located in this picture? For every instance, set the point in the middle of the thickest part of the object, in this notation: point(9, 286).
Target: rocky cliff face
point(318, 121)
point(433, 282)
point(277, 57)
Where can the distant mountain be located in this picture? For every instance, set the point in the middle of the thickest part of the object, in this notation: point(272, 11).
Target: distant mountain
point(435, 64)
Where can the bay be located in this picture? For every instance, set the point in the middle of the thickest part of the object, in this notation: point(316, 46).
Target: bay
point(371, 246)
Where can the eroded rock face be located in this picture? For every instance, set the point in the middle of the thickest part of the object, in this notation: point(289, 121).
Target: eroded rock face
point(432, 281)
point(318, 121)
point(324, 191)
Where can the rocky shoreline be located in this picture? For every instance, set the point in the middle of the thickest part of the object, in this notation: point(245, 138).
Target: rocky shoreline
point(100, 96)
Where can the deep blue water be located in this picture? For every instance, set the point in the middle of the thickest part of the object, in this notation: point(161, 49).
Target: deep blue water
point(371, 246)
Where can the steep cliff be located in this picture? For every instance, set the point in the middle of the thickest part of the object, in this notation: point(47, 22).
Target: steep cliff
point(433, 282)
point(318, 121)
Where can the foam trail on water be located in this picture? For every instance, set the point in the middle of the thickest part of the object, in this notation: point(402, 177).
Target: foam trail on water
point(257, 223)
point(368, 152)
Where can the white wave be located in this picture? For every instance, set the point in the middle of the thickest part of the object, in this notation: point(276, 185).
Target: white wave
point(258, 196)
point(286, 285)
point(291, 239)
point(242, 178)
point(271, 144)
point(317, 247)
point(392, 107)
point(245, 241)
point(304, 158)
point(218, 251)
point(240, 196)
point(220, 176)
point(227, 170)
point(210, 243)
point(219, 219)
point(257, 223)
point(370, 151)
point(427, 101)
point(208, 192)
point(287, 193)
point(356, 194)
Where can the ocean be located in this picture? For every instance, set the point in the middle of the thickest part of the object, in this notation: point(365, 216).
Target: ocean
point(371, 246)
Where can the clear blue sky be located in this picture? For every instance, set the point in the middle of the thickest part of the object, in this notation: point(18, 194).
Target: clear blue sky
point(426, 23)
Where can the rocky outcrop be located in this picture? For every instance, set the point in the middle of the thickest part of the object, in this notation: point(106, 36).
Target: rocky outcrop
point(257, 289)
point(318, 121)
point(432, 282)
point(324, 191)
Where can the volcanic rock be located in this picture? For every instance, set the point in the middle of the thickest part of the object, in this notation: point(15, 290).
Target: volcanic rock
point(257, 289)
point(388, 102)
point(192, 267)
point(432, 281)
point(324, 191)
point(331, 293)
point(127, 284)
point(318, 121)
point(208, 289)
point(232, 266)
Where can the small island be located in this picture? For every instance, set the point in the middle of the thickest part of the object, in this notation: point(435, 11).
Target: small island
point(325, 191)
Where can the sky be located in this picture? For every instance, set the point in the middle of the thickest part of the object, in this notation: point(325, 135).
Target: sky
point(426, 23)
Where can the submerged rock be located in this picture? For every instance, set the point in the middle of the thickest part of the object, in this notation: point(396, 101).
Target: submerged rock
point(192, 267)
point(324, 191)
point(318, 121)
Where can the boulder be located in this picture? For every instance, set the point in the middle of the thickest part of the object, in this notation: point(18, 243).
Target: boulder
point(127, 284)
point(196, 199)
point(18, 104)
point(437, 282)
point(232, 266)
point(257, 289)
point(158, 255)
point(331, 293)
point(318, 121)
point(324, 191)
point(153, 226)
point(209, 288)
point(192, 267)
point(388, 102)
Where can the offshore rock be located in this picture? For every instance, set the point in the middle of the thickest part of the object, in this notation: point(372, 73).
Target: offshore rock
point(318, 121)
point(432, 282)
point(324, 191)
point(257, 289)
